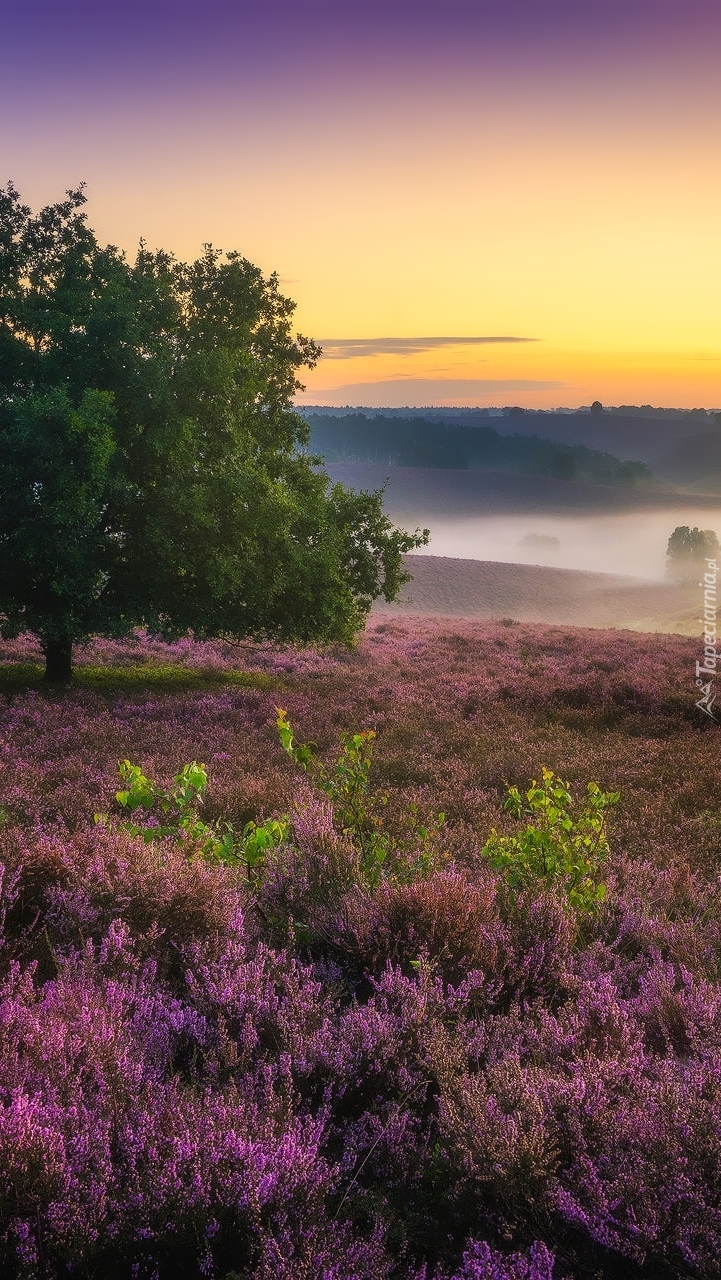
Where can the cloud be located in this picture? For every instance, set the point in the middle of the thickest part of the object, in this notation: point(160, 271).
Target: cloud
point(423, 392)
point(353, 348)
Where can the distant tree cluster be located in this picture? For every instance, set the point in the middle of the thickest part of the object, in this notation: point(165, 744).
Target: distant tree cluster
point(653, 411)
point(687, 552)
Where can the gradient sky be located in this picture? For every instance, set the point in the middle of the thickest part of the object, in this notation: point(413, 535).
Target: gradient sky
point(471, 203)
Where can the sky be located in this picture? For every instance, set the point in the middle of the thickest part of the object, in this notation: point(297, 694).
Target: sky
point(471, 203)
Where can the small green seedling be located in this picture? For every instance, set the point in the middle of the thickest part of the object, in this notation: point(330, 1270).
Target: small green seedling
point(557, 847)
point(355, 808)
point(174, 814)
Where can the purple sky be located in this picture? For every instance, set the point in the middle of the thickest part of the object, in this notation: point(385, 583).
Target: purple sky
point(217, 38)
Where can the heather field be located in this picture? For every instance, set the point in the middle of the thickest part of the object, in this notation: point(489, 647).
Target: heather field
point(378, 1043)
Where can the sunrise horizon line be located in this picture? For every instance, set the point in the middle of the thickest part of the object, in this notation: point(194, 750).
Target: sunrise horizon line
point(560, 408)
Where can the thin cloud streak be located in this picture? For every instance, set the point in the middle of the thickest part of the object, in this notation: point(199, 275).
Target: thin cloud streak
point(456, 386)
point(355, 348)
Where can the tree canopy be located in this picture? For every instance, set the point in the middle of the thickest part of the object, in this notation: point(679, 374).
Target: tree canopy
point(688, 549)
point(153, 471)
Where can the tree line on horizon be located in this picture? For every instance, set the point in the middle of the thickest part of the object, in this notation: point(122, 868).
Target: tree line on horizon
point(472, 413)
point(420, 442)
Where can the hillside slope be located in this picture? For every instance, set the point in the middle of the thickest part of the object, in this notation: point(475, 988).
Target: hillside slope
point(475, 492)
point(442, 586)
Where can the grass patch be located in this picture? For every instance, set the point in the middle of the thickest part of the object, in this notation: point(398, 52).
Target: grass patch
point(16, 677)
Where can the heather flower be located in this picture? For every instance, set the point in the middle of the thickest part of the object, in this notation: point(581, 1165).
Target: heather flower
point(303, 1077)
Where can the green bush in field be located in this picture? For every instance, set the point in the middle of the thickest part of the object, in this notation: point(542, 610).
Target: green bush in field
point(557, 847)
point(156, 813)
point(355, 809)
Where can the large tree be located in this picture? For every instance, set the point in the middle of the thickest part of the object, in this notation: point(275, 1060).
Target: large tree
point(152, 468)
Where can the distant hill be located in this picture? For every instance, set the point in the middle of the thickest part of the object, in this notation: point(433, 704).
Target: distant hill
point(421, 494)
point(679, 447)
point(421, 442)
point(656, 440)
point(695, 460)
point(447, 587)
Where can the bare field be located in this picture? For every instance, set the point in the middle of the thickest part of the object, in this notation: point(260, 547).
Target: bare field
point(442, 586)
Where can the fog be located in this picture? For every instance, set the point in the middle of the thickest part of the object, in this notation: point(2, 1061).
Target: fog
point(630, 543)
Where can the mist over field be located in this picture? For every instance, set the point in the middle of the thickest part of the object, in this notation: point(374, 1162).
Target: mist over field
point(600, 492)
point(632, 543)
point(480, 515)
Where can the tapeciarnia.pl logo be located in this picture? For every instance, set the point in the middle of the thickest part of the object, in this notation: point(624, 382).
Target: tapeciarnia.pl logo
point(706, 670)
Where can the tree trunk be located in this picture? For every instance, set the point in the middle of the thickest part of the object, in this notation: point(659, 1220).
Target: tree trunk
point(58, 660)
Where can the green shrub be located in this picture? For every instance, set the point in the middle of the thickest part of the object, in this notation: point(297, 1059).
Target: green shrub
point(557, 847)
point(158, 814)
point(356, 810)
